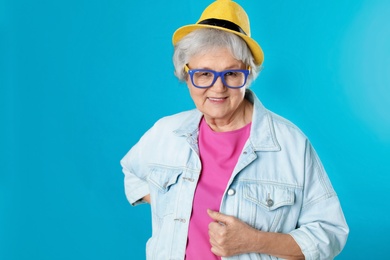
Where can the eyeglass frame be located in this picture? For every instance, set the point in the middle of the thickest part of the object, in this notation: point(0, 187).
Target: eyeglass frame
point(216, 74)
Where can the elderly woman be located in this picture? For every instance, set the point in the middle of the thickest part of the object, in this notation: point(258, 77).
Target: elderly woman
point(230, 178)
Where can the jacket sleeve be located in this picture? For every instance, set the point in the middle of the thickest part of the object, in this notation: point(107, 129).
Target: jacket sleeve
point(322, 230)
point(134, 167)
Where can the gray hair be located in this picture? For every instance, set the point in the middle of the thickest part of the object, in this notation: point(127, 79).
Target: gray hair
point(204, 40)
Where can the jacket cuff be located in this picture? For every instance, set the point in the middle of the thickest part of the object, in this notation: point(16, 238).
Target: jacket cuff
point(134, 196)
point(306, 244)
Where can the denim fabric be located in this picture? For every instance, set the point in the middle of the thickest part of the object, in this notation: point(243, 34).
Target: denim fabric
point(278, 185)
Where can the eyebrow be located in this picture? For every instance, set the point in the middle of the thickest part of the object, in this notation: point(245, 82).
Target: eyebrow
point(232, 67)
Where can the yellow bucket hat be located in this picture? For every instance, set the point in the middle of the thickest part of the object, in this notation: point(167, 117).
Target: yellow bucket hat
point(228, 16)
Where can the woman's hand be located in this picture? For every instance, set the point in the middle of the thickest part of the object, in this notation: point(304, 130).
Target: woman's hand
point(230, 236)
point(146, 198)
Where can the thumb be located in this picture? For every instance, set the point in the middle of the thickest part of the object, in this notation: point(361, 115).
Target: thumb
point(218, 216)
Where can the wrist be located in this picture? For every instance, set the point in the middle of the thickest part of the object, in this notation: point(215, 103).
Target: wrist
point(256, 241)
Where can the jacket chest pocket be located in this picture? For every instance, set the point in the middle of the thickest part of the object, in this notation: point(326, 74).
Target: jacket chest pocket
point(267, 204)
point(164, 190)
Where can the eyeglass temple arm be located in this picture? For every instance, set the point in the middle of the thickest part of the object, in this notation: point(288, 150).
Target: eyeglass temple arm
point(186, 69)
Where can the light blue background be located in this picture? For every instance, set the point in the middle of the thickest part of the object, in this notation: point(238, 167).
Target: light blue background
point(80, 81)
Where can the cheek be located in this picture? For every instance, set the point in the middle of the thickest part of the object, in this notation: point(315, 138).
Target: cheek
point(193, 90)
point(237, 98)
point(241, 94)
point(197, 94)
point(190, 89)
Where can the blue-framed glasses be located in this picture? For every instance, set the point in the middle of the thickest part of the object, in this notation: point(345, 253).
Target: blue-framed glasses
point(202, 78)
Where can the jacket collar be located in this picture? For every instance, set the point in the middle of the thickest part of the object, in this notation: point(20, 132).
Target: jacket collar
point(262, 136)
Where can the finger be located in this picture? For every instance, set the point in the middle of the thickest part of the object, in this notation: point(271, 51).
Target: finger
point(214, 229)
point(217, 229)
point(216, 251)
point(215, 247)
point(218, 216)
point(213, 242)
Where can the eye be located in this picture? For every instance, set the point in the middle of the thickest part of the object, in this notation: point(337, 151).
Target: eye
point(232, 74)
point(204, 74)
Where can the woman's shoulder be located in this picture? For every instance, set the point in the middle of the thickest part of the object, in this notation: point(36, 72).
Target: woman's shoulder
point(177, 119)
point(176, 122)
point(270, 119)
point(278, 119)
point(164, 128)
point(281, 124)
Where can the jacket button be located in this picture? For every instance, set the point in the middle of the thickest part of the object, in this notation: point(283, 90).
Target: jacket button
point(231, 192)
point(270, 202)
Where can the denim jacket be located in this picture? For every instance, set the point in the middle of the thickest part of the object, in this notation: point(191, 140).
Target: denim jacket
point(278, 185)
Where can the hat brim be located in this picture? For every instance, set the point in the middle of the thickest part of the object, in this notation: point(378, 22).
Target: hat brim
point(255, 48)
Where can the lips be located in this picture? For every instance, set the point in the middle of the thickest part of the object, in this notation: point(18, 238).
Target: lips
point(216, 99)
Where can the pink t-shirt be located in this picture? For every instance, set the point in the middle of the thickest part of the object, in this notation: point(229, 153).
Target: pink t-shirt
point(219, 152)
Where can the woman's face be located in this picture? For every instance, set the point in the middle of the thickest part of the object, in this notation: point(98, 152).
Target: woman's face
point(217, 103)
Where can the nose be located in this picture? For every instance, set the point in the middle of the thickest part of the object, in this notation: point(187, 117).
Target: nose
point(218, 84)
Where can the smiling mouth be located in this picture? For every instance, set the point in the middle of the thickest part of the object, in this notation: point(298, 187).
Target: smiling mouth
point(217, 99)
